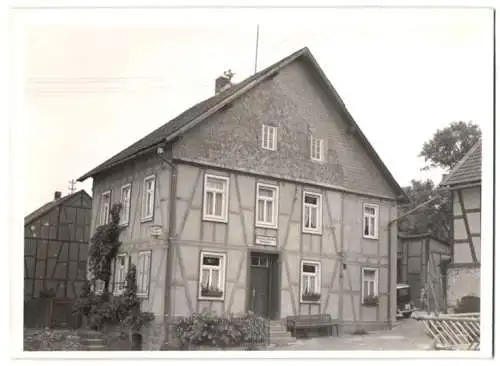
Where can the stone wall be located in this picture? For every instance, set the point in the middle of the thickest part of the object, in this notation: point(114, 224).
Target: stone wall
point(462, 281)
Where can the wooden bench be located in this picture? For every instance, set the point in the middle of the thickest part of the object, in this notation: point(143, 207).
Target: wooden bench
point(308, 322)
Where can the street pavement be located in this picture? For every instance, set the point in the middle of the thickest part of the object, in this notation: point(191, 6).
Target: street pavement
point(407, 335)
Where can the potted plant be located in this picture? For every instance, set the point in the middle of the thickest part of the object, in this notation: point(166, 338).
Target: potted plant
point(370, 300)
point(211, 291)
point(311, 296)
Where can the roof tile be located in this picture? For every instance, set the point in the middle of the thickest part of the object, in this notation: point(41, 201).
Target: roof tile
point(467, 170)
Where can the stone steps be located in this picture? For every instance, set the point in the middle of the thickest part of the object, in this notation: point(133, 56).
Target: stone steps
point(279, 334)
point(91, 340)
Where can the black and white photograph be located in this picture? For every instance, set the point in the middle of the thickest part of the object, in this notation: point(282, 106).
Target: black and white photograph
point(291, 181)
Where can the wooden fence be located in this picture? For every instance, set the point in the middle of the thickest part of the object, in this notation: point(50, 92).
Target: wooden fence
point(453, 331)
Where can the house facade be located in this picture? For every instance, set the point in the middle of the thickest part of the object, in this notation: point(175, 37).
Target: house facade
point(266, 197)
point(56, 240)
point(464, 182)
point(421, 259)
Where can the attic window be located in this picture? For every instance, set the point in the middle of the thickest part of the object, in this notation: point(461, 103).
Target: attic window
point(269, 137)
point(316, 149)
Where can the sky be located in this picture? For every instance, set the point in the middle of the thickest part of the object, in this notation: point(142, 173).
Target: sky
point(92, 89)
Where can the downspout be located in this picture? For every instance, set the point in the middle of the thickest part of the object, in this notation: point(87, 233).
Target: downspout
point(389, 293)
point(167, 311)
point(170, 244)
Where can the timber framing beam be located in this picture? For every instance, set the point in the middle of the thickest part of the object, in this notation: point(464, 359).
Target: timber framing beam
point(467, 228)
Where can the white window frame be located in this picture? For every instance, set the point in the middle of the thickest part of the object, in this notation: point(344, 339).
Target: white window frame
point(143, 273)
point(99, 287)
point(222, 276)
point(375, 216)
point(375, 285)
point(225, 198)
point(307, 206)
point(275, 204)
point(317, 276)
point(269, 142)
point(105, 208)
point(120, 274)
point(317, 144)
point(148, 211)
point(125, 213)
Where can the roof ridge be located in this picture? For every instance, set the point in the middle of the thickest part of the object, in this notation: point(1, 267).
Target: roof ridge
point(224, 96)
point(201, 111)
point(50, 205)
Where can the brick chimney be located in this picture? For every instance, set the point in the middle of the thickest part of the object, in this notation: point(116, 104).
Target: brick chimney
point(223, 82)
point(57, 195)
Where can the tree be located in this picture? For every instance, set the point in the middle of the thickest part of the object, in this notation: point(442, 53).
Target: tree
point(450, 144)
point(433, 218)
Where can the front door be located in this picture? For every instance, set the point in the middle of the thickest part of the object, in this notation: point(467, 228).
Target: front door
point(259, 284)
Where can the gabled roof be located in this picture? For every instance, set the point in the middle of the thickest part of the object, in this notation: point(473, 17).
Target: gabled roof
point(208, 107)
point(51, 205)
point(467, 170)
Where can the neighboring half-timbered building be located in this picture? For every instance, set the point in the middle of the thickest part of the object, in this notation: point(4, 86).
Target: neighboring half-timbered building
point(464, 182)
point(422, 259)
point(56, 239)
point(265, 197)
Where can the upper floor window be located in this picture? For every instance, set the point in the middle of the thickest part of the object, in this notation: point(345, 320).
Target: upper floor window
point(267, 205)
point(310, 281)
point(148, 196)
point(212, 276)
point(316, 149)
point(215, 198)
point(125, 201)
point(143, 271)
point(370, 221)
point(105, 207)
point(312, 212)
point(269, 137)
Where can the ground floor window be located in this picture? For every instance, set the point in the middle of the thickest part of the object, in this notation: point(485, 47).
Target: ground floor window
point(369, 286)
point(99, 286)
point(143, 273)
point(120, 273)
point(310, 281)
point(212, 276)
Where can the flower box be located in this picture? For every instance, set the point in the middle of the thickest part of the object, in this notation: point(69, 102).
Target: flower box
point(370, 301)
point(211, 292)
point(311, 297)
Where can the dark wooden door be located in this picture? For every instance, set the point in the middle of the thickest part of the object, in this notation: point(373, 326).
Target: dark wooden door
point(259, 284)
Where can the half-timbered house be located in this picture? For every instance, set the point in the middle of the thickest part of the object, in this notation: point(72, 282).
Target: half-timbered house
point(266, 197)
point(56, 238)
point(422, 259)
point(464, 182)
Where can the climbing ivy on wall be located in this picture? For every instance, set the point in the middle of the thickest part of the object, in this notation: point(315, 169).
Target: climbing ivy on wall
point(102, 309)
point(104, 246)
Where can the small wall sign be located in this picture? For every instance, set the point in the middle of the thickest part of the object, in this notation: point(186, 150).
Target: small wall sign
point(265, 240)
point(155, 231)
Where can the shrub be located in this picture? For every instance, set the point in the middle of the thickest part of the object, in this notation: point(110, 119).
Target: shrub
point(208, 329)
point(104, 310)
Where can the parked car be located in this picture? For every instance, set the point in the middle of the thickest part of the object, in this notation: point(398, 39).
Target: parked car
point(405, 307)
